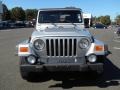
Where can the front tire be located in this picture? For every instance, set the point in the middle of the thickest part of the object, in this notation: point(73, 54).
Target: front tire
point(24, 75)
point(100, 72)
point(101, 59)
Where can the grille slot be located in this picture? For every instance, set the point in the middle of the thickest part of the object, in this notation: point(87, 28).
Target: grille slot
point(56, 47)
point(52, 47)
point(65, 47)
point(47, 47)
point(70, 47)
point(61, 47)
point(74, 48)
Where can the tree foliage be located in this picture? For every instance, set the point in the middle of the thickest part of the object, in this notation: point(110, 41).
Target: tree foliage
point(117, 19)
point(31, 14)
point(18, 14)
point(103, 19)
point(6, 13)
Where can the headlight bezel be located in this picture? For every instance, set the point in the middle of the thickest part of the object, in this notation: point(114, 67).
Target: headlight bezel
point(81, 42)
point(40, 46)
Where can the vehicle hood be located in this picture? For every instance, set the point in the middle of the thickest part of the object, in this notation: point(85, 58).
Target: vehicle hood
point(58, 25)
point(61, 32)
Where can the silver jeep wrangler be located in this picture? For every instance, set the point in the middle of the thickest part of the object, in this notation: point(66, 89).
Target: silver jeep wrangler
point(60, 43)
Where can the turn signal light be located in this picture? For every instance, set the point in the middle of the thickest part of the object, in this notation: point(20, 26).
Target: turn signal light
point(23, 49)
point(99, 48)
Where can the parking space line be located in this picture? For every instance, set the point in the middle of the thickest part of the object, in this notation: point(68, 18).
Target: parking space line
point(116, 48)
point(5, 30)
point(116, 40)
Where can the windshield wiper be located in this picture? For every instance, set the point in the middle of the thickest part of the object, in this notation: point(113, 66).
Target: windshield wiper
point(71, 23)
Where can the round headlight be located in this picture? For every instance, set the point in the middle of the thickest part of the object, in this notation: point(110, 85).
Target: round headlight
point(31, 59)
point(39, 44)
point(84, 43)
point(92, 58)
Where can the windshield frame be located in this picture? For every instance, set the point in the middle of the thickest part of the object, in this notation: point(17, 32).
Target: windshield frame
point(62, 12)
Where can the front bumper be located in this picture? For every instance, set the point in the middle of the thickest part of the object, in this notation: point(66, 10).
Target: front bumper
point(61, 67)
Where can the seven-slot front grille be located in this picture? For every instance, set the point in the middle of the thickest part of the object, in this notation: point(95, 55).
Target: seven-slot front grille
point(61, 47)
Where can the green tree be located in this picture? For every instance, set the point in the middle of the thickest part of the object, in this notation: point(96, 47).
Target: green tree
point(102, 19)
point(117, 19)
point(6, 13)
point(105, 20)
point(31, 14)
point(18, 14)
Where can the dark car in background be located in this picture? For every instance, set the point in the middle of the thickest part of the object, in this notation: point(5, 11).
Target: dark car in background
point(16, 24)
point(30, 23)
point(1, 25)
point(99, 26)
point(4, 24)
point(20, 24)
point(12, 25)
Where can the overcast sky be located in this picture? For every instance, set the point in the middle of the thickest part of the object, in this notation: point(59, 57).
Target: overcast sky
point(96, 7)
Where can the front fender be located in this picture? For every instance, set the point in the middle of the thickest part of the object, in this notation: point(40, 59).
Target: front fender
point(92, 50)
point(24, 48)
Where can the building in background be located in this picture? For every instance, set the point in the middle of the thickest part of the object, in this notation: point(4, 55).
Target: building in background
point(1, 10)
point(87, 19)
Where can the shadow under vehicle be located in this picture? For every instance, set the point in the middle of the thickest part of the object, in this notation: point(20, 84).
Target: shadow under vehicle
point(110, 77)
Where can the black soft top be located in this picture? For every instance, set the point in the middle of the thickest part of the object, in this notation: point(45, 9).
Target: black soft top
point(61, 9)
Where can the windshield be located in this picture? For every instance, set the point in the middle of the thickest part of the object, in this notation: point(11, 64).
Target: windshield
point(60, 17)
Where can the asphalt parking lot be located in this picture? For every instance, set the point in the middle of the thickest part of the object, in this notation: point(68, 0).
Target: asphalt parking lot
point(9, 66)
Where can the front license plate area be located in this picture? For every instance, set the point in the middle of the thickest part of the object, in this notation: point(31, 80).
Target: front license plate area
point(61, 60)
point(64, 61)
